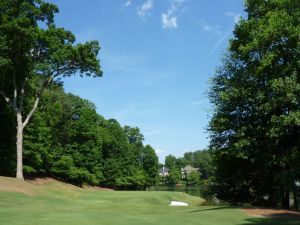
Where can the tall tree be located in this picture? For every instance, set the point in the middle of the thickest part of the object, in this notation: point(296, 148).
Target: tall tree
point(256, 124)
point(35, 51)
point(7, 132)
point(134, 135)
point(174, 169)
point(150, 165)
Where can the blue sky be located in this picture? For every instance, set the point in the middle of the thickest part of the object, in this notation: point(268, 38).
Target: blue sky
point(158, 57)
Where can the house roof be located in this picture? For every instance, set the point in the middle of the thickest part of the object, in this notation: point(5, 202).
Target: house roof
point(163, 170)
point(189, 168)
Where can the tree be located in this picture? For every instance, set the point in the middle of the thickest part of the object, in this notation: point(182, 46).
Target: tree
point(193, 177)
point(170, 162)
point(255, 125)
point(203, 161)
point(150, 165)
point(174, 176)
point(7, 132)
point(134, 135)
point(35, 53)
point(79, 139)
point(63, 139)
point(174, 170)
point(199, 159)
point(189, 157)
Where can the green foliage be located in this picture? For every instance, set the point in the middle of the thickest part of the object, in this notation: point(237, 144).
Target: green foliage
point(62, 167)
point(127, 163)
point(34, 54)
point(29, 170)
point(200, 159)
point(7, 140)
point(65, 168)
point(193, 178)
point(255, 125)
point(150, 165)
point(171, 162)
point(174, 169)
point(67, 139)
point(37, 142)
point(174, 176)
point(133, 135)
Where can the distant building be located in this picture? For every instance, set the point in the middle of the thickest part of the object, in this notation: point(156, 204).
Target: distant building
point(164, 172)
point(187, 170)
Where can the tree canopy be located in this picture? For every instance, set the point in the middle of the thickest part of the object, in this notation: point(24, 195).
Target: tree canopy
point(66, 138)
point(255, 93)
point(35, 53)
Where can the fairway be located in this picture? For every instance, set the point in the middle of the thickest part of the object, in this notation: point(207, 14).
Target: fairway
point(56, 203)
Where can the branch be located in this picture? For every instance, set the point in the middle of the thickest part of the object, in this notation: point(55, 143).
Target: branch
point(32, 111)
point(38, 95)
point(51, 78)
point(7, 99)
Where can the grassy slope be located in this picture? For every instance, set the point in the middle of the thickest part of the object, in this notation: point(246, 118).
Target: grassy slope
point(60, 204)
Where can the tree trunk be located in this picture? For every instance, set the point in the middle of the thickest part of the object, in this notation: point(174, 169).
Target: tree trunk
point(295, 193)
point(285, 198)
point(20, 128)
point(19, 146)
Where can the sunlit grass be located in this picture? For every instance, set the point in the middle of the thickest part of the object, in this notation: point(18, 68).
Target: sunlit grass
point(55, 204)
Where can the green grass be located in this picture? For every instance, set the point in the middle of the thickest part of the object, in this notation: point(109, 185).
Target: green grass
point(57, 204)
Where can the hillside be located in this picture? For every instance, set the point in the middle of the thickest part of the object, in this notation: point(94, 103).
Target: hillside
point(50, 202)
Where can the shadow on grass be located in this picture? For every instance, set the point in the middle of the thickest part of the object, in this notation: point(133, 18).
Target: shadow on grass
point(271, 221)
point(210, 209)
point(285, 218)
point(272, 216)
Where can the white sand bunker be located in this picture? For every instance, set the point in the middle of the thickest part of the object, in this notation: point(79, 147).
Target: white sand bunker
point(177, 203)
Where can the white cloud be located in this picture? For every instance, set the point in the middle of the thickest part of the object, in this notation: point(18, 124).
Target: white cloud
point(169, 18)
point(236, 16)
point(210, 28)
point(159, 151)
point(127, 3)
point(168, 21)
point(145, 8)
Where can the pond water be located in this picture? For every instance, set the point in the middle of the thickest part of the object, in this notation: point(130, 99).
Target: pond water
point(191, 190)
point(197, 191)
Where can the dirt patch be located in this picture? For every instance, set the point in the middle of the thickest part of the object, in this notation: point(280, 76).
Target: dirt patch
point(13, 185)
point(97, 188)
point(41, 181)
point(273, 213)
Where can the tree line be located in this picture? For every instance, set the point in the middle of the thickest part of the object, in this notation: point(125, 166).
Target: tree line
point(200, 159)
point(255, 127)
point(68, 140)
point(45, 131)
